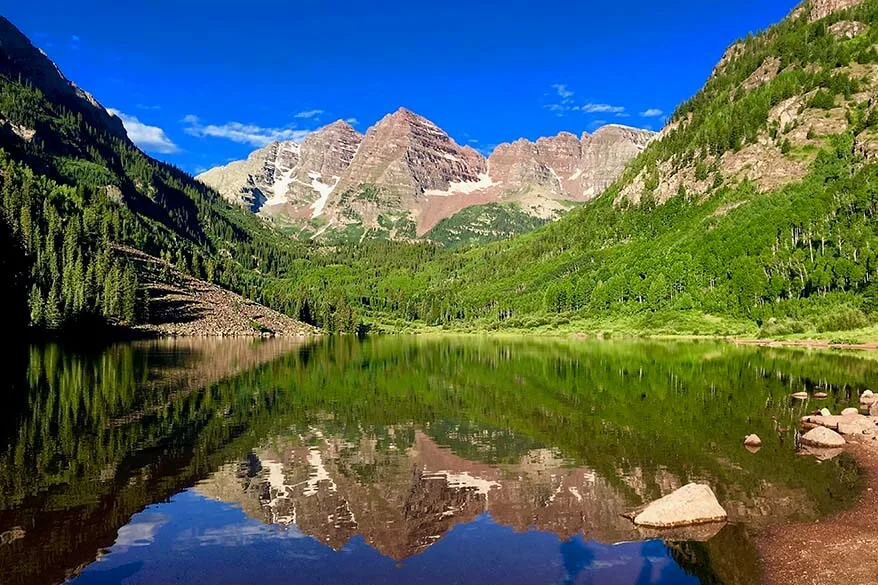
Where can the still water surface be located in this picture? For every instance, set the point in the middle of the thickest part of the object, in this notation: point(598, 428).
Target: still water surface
point(404, 460)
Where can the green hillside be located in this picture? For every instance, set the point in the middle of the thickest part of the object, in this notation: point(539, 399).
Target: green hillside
point(72, 184)
point(729, 222)
point(752, 213)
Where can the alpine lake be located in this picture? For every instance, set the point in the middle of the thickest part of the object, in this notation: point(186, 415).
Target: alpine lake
point(405, 460)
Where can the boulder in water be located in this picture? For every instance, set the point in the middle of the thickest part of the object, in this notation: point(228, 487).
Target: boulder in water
point(850, 412)
point(752, 441)
point(691, 504)
point(821, 395)
point(801, 396)
point(823, 437)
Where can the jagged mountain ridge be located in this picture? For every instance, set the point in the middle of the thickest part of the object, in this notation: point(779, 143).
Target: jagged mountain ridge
point(407, 173)
point(21, 61)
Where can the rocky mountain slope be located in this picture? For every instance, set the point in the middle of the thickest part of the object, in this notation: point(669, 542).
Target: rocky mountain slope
point(406, 175)
point(183, 306)
point(768, 108)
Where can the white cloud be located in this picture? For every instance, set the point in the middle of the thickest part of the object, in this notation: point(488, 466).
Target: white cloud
point(563, 92)
point(308, 114)
point(140, 531)
point(352, 121)
point(149, 138)
point(565, 103)
point(652, 113)
point(148, 107)
point(601, 109)
point(242, 133)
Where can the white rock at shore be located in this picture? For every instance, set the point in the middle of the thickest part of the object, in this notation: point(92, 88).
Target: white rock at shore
point(691, 504)
point(850, 412)
point(822, 437)
point(857, 425)
point(825, 412)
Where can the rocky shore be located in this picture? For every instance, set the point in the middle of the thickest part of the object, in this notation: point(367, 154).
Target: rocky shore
point(842, 548)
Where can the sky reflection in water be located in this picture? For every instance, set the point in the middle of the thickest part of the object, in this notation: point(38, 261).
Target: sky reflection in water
point(192, 538)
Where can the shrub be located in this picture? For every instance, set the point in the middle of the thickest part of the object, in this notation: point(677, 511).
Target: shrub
point(843, 319)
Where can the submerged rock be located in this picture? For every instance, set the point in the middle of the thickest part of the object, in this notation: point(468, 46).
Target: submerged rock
point(752, 441)
point(822, 453)
point(697, 533)
point(823, 437)
point(691, 504)
point(821, 395)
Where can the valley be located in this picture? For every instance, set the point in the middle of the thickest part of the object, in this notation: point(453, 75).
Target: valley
point(531, 327)
point(750, 214)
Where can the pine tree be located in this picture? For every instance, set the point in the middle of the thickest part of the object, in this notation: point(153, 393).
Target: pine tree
point(35, 304)
point(53, 316)
point(128, 296)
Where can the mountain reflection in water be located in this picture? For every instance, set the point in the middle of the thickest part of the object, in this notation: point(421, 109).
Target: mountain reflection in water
point(403, 460)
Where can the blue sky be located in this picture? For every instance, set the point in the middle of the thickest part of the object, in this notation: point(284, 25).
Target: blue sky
point(203, 82)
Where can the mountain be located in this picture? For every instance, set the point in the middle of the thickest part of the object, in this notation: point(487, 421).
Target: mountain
point(288, 177)
point(406, 176)
point(21, 61)
point(752, 213)
point(76, 193)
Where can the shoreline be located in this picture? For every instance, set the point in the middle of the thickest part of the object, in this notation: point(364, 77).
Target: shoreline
point(842, 548)
point(804, 343)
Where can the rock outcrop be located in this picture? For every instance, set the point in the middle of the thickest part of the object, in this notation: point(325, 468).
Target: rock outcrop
point(823, 8)
point(691, 504)
point(847, 29)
